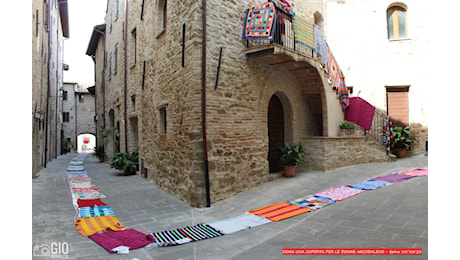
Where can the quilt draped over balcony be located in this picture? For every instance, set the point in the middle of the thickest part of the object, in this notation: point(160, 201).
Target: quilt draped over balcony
point(259, 23)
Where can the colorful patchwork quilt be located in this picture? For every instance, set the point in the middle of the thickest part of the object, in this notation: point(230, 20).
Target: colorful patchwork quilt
point(184, 235)
point(279, 211)
point(339, 193)
point(259, 23)
point(313, 202)
point(333, 69)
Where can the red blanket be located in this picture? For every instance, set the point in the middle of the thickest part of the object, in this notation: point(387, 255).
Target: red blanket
point(360, 112)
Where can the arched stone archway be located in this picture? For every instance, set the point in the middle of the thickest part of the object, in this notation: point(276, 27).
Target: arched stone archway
point(86, 143)
point(275, 132)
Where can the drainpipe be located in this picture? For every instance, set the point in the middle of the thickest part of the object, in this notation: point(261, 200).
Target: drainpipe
point(126, 73)
point(49, 88)
point(203, 107)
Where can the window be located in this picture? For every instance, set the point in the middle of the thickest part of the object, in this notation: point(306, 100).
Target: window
point(110, 65)
point(162, 15)
point(65, 116)
point(115, 59)
point(163, 120)
point(133, 50)
point(81, 98)
point(117, 8)
point(398, 104)
point(397, 22)
point(64, 95)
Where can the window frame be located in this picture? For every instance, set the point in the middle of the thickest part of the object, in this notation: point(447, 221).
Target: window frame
point(392, 22)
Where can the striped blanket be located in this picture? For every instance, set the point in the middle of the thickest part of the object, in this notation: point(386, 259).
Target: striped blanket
point(185, 235)
point(303, 32)
point(97, 211)
point(279, 211)
point(342, 93)
point(91, 225)
point(339, 193)
point(313, 202)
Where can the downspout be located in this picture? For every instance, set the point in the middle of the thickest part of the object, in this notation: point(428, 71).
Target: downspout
point(48, 89)
point(102, 83)
point(203, 106)
point(125, 79)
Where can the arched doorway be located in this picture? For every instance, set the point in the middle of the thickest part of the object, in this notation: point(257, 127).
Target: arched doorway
point(86, 143)
point(275, 132)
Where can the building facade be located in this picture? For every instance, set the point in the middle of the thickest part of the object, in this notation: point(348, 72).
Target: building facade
point(50, 27)
point(206, 109)
point(383, 48)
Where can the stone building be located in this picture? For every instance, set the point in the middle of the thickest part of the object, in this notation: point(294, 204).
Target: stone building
point(383, 48)
point(50, 25)
point(204, 108)
point(78, 106)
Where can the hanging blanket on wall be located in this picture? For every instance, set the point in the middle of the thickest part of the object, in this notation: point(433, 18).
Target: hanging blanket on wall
point(303, 32)
point(333, 69)
point(259, 22)
point(279, 211)
point(416, 172)
point(128, 237)
point(313, 202)
point(339, 193)
point(360, 112)
point(342, 93)
point(184, 235)
point(232, 225)
point(394, 178)
point(321, 45)
point(96, 211)
point(91, 225)
point(370, 185)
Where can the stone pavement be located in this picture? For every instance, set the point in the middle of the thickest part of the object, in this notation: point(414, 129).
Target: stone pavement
point(394, 216)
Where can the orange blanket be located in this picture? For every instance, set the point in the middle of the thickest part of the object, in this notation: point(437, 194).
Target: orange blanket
point(91, 225)
point(279, 211)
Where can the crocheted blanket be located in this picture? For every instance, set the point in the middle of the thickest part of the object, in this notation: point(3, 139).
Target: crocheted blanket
point(128, 237)
point(394, 178)
point(184, 235)
point(279, 211)
point(313, 202)
point(303, 32)
point(96, 211)
point(416, 172)
point(360, 112)
point(259, 22)
point(320, 45)
point(339, 193)
point(333, 69)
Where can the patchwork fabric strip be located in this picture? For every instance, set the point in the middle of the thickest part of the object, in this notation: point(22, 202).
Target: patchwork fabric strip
point(280, 211)
point(320, 45)
point(78, 184)
point(360, 112)
point(313, 202)
point(128, 237)
point(339, 193)
point(96, 211)
point(185, 235)
point(303, 32)
point(259, 23)
point(89, 195)
point(91, 225)
point(416, 172)
point(370, 185)
point(394, 178)
point(233, 225)
point(281, 8)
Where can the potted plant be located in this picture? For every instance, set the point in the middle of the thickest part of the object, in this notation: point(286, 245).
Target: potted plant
point(66, 146)
point(99, 152)
point(347, 128)
point(401, 141)
point(291, 157)
point(126, 162)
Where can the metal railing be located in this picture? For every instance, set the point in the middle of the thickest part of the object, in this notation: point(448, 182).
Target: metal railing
point(377, 129)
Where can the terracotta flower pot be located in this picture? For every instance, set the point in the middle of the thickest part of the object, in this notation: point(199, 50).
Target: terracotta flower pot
point(289, 171)
point(400, 152)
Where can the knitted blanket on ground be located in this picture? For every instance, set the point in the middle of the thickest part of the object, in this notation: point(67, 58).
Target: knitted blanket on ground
point(416, 172)
point(394, 178)
point(91, 225)
point(313, 202)
point(339, 193)
point(96, 211)
point(232, 225)
point(370, 185)
point(128, 237)
point(184, 235)
point(279, 211)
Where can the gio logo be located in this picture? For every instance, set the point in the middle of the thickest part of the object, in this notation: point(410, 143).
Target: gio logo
point(53, 249)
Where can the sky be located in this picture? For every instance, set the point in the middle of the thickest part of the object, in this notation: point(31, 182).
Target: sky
point(83, 16)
